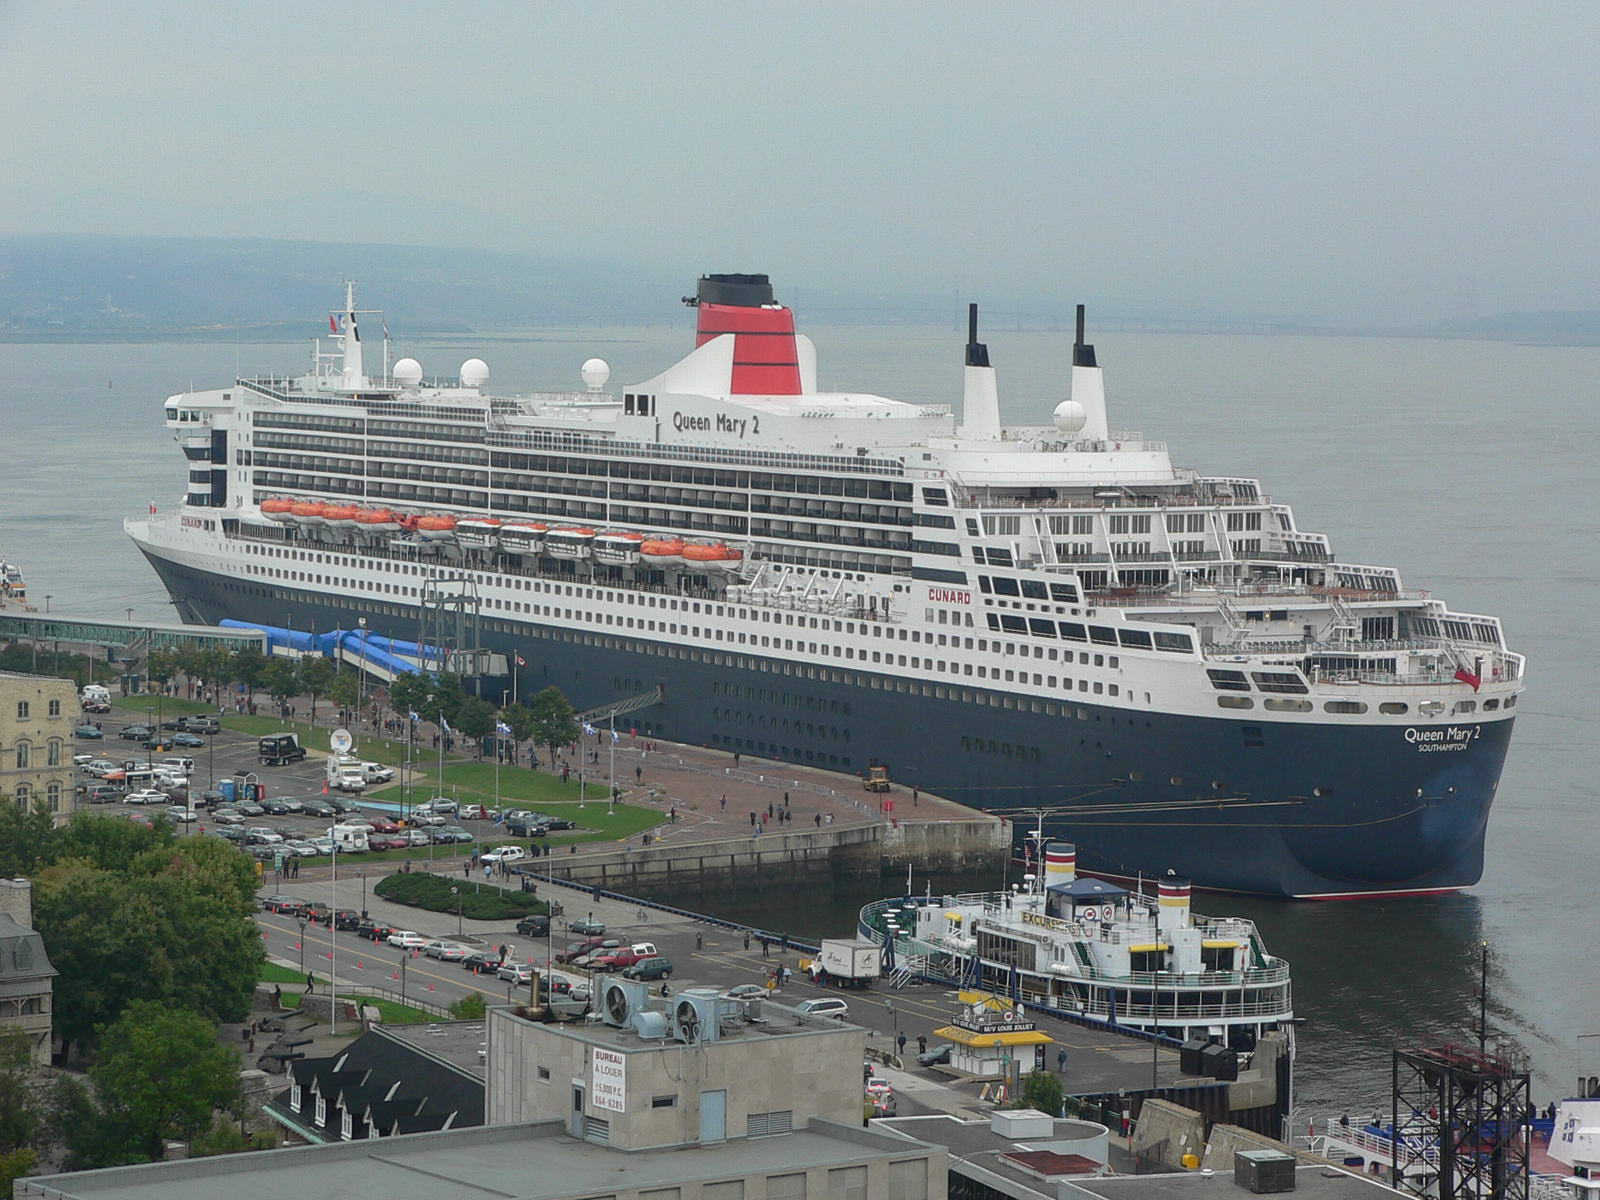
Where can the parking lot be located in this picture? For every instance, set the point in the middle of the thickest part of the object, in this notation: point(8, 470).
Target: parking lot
point(294, 807)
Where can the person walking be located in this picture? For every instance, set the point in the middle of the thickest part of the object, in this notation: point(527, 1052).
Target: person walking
point(277, 996)
point(466, 869)
point(747, 939)
point(1061, 1061)
point(638, 774)
point(818, 818)
point(699, 940)
point(311, 983)
point(922, 1043)
point(724, 802)
point(901, 1042)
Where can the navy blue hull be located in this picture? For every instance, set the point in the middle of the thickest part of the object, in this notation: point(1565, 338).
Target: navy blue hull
point(1269, 808)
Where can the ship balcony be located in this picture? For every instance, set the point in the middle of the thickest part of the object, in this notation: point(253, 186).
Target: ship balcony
point(1193, 981)
point(1189, 1014)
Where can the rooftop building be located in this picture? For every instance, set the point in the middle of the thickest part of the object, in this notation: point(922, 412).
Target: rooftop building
point(25, 970)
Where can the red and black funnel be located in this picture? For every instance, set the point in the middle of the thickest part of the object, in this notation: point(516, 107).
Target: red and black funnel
point(764, 358)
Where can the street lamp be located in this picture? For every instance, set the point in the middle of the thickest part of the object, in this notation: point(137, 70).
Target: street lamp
point(363, 891)
point(404, 954)
point(456, 892)
point(302, 944)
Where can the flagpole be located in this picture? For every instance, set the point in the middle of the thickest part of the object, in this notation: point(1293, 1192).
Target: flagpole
point(333, 943)
point(611, 792)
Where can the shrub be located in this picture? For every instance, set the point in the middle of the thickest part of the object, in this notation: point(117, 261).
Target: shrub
point(470, 1008)
point(1042, 1091)
point(421, 889)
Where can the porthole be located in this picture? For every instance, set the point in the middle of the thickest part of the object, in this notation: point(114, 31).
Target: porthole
point(1320, 791)
point(1136, 776)
point(1394, 708)
point(1276, 705)
point(1176, 781)
point(1231, 701)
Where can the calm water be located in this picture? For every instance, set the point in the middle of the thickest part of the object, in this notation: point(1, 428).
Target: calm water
point(1469, 465)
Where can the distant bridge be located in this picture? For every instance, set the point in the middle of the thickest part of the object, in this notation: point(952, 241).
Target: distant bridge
point(134, 638)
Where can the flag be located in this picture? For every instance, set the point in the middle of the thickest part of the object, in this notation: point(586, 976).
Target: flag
point(521, 662)
point(615, 737)
point(1467, 677)
point(333, 323)
point(443, 724)
point(588, 729)
point(385, 321)
point(414, 715)
point(502, 729)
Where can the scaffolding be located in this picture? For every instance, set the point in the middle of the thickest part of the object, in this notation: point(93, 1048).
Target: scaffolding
point(1459, 1127)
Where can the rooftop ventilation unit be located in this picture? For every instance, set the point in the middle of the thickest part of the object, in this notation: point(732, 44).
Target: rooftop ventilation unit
point(621, 1000)
point(695, 1018)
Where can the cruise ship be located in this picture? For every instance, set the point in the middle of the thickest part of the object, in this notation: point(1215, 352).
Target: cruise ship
point(1159, 662)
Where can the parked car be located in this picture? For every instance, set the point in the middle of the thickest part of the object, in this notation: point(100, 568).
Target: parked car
point(186, 739)
point(407, 939)
point(281, 904)
point(934, 1055)
point(228, 816)
point(96, 706)
point(174, 723)
point(231, 832)
point(526, 827)
point(388, 841)
point(210, 799)
point(516, 973)
point(380, 825)
point(425, 817)
point(446, 951)
point(88, 733)
point(745, 991)
point(534, 925)
point(501, 855)
point(587, 925)
point(484, 962)
point(299, 847)
point(452, 833)
point(248, 807)
point(347, 919)
point(201, 724)
point(134, 733)
point(101, 793)
point(416, 837)
point(376, 931)
point(287, 803)
point(318, 808)
point(557, 824)
point(824, 1006)
point(654, 967)
point(99, 766)
point(260, 835)
point(324, 845)
point(473, 812)
point(181, 814)
point(626, 956)
point(147, 796)
point(441, 804)
point(317, 912)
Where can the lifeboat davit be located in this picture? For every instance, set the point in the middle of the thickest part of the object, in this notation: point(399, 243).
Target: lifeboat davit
point(618, 546)
point(377, 520)
point(307, 512)
point(568, 541)
point(436, 528)
point(662, 552)
point(522, 537)
point(712, 556)
point(340, 516)
point(479, 533)
point(277, 509)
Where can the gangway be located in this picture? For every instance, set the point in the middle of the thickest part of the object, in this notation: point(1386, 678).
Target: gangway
point(620, 708)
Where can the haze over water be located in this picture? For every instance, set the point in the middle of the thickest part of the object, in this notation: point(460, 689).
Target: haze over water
point(1469, 465)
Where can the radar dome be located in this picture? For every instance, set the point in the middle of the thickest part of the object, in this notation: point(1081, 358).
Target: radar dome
point(595, 372)
point(474, 373)
point(408, 372)
point(1070, 416)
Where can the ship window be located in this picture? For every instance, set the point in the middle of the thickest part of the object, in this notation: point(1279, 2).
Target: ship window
point(1288, 705)
point(1282, 682)
point(1101, 635)
point(1490, 705)
point(1074, 632)
point(1235, 702)
point(1227, 681)
point(1394, 708)
point(1034, 590)
point(1466, 706)
point(1178, 642)
point(1005, 587)
point(1136, 639)
point(1063, 593)
point(1041, 628)
point(1344, 706)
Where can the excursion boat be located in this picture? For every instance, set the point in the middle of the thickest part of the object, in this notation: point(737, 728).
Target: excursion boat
point(478, 533)
point(523, 537)
point(569, 541)
point(12, 585)
point(1230, 698)
point(616, 547)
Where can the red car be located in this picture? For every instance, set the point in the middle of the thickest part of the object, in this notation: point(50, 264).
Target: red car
point(381, 841)
point(378, 825)
point(625, 956)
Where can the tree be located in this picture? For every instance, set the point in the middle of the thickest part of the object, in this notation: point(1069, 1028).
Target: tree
point(160, 666)
point(105, 842)
point(316, 677)
point(345, 691)
point(214, 668)
point(470, 1007)
point(1042, 1091)
point(190, 663)
point(211, 865)
point(250, 669)
point(27, 839)
point(409, 694)
point(282, 680)
point(475, 719)
point(519, 720)
point(162, 1074)
point(554, 721)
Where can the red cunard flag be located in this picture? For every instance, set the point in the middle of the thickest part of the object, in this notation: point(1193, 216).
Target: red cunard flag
point(1467, 677)
point(333, 323)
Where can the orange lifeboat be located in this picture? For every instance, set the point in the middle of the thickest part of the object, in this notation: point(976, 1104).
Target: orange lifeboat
point(340, 516)
point(712, 556)
point(308, 512)
point(277, 509)
point(662, 552)
point(377, 520)
point(436, 528)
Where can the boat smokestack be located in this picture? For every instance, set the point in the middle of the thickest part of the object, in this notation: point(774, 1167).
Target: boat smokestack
point(1060, 863)
point(765, 360)
point(980, 394)
point(1088, 387)
point(1174, 912)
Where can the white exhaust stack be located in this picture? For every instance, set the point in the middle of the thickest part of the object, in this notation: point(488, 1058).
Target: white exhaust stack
point(1060, 863)
point(1088, 388)
point(1174, 913)
point(980, 397)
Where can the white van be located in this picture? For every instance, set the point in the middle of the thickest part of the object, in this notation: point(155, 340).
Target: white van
point(177, 766)
point(350, 839)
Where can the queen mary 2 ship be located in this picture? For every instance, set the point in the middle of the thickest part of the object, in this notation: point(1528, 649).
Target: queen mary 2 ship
point(1051, 618)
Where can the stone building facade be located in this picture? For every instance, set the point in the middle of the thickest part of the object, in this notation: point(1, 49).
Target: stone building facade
point(37, 717)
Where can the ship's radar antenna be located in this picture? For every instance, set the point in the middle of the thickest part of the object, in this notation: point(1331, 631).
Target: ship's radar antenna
point(408, 372)
point(474, 373)
point(595, 372)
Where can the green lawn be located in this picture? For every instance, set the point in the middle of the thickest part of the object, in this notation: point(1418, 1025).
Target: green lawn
point(315, 738)
point(393, 1012)
point(167, 705)
point(273, 973)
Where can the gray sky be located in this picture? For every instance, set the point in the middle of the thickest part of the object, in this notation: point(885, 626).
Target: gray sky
point(1326, 161)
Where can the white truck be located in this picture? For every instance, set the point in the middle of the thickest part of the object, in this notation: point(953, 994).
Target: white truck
point(848, 962)
point(94, 694)
point(345, 773)
point(376, 772)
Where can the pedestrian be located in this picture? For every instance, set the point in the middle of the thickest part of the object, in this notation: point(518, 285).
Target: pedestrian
point(766, 947)
point(888, 1008)
point(252, 1043)
point(914, 794)
point(769, 810)
point(311, 983)
point(901, 1043)
point(1061, 1061)
point(277, 996)
point(638, 774)
point(922, 1043)
point(724, 801)
point(786, 943)
point(818, 819)
point(736, 760)
point(466, 869)
point(747, 939)
point(699, 941)
point(566, 771)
